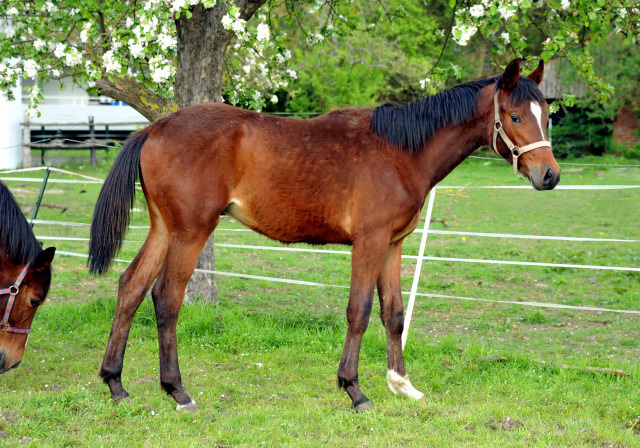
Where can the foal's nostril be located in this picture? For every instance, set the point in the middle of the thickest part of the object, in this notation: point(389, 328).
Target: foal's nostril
point(548, 177)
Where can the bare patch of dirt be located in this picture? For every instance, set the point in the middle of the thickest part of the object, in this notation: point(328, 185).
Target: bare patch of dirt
point(145, 379)
point(506, 424)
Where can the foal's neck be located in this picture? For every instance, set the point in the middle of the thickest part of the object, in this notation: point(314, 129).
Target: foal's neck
point(450, 145)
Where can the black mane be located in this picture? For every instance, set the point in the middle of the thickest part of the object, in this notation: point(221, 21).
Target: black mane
point(16, 237)
point(409, 126)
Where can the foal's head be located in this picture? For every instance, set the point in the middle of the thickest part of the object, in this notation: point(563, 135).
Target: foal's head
point(32, 291)
point(520, 122)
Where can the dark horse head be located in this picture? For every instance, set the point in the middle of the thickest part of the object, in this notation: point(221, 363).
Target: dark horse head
point(507, 112)
point(25, 276)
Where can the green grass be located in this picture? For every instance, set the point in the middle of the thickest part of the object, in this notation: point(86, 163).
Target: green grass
point(262, 364)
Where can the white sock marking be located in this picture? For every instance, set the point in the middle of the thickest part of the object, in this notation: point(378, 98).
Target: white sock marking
point(401, 385)
point(182, 406)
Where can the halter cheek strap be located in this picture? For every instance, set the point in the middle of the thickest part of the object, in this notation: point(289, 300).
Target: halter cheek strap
point(13, 291)
point(516, 151)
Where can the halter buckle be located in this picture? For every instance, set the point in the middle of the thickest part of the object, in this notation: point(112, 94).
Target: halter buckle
point(515, 151)
point(497, 125)
point(14, 290)
point(4, 326)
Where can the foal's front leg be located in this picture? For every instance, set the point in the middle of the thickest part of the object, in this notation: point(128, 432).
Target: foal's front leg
point(366, 259)
point(392, 315)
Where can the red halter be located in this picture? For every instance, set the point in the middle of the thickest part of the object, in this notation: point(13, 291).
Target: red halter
point(13, 292)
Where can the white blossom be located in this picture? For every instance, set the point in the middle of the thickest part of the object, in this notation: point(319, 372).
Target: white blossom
point(84, 36)
point(73, 57)
point(274, 99)
point(55, 73)
point(292, 73)
point(136, 49)
point(60, 50)
point(39, 44)
point(110, 64)
point(32, 111)
point(165, 41)
point(476, 11)
point(31, 68)
point(227, 21)
point(466, 33)
point(238, 26)
point(263, 32)
point(425, 82)
point(178, 4)
point(505, 37)
point(12, 11)
point(565, 4)
point(50, 7)
point(161, 74)
point(506, 13)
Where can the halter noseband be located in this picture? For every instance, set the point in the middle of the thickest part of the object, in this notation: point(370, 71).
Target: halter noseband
point(13, 292)
point(516, 151)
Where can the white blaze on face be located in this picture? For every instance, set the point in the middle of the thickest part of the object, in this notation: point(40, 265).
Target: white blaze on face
point(537, 112)
point(401, 385)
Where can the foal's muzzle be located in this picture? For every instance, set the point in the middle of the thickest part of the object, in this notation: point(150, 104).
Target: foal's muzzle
point(544, 178)
point(3, 358)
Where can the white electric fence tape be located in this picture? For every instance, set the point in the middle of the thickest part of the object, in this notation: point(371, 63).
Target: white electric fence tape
point(437, 296)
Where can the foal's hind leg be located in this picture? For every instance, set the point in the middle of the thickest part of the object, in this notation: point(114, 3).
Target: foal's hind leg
point(168, 294)
point(392, 315)
point(366, 260)
point(133, 286)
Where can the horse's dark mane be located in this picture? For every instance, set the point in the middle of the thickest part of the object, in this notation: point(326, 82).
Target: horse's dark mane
point(16, 237)
point(409, 126)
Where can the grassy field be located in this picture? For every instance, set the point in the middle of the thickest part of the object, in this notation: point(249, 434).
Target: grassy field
point(262, 364)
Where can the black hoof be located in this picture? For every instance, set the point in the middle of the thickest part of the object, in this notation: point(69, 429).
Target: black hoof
point(363, 406)
point(119, 398)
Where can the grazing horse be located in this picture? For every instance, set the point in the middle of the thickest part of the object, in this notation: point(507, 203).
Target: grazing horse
point(25, 276)
point(357, 177)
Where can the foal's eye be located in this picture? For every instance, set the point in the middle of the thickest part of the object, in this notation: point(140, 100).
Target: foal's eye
point(34, 302)
point(516, 118)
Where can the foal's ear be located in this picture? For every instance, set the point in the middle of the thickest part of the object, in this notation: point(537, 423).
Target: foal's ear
point(538, 73)
point(44, 259)
point(511, 75)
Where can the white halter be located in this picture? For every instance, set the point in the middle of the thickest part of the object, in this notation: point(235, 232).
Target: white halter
point(515, 150)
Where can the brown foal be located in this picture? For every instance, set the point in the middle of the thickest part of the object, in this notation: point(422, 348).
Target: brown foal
point(357, 177)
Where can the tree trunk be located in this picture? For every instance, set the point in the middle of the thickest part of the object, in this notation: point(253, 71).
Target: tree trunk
point(202, 41)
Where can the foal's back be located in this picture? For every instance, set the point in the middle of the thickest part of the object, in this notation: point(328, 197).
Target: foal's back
point(330, 174)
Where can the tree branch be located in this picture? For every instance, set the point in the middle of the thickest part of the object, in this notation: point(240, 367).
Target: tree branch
point(136, 95)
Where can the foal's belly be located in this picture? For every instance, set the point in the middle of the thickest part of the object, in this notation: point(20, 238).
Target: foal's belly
point(288, 224)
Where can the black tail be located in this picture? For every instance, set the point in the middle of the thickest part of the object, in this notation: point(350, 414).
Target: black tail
point(111, 215)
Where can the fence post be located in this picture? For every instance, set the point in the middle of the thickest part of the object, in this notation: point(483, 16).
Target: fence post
point(416, 275)
point(26, 142)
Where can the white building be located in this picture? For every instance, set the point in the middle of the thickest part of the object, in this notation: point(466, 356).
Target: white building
point(60, 109)
point(11, 113)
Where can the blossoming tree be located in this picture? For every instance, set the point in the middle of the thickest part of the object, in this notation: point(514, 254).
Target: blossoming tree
point(158, 55)
point(567, 29)
point(155, 55)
